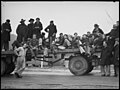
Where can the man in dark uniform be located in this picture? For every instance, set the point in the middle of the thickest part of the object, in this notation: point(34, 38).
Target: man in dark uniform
point(30, 28)
point(52, 30)
point(22, 31)
point(5, 32)
point(116, 52)
point(107, 51)
point(38, 28)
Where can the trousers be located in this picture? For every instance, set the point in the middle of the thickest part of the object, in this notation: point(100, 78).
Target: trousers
point(20, 65)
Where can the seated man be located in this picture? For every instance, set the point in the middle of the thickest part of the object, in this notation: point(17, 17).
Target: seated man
point(85, 42)
point(34, 45)
point(61, 39)
point(42, 41)
point(66, 43)
point(98, 40)
point(75, 41)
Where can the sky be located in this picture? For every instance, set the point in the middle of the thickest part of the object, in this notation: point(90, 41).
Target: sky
point(68, 16)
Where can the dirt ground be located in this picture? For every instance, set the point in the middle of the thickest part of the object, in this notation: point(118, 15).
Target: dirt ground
point(58, 79)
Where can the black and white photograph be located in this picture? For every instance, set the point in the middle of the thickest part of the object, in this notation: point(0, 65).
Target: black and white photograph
point(59, 44)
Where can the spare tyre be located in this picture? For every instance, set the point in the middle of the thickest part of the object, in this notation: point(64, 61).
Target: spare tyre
point(10, 68)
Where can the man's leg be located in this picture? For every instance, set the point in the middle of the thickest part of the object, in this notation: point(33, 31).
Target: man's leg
point(50, 42)
point(102, 70)
point(107, 70)
point(32, 52)
point(22, 68)
point(6, 43)
point(2, 43)
point(17, 66)
point(116, 70)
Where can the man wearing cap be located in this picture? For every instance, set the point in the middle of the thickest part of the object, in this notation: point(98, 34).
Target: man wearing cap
point(22, 31)
point(97, 29)
point(5, 34)
point(37, 28)
point(51, 29)
point(30, 28)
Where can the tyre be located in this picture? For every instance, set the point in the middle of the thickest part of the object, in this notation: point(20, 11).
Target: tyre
point(78, 65)
point(90, 66)
point(10, 68)
point(3, 67)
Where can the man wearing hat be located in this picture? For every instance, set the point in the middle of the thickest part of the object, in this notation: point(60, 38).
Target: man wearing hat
point(37, 28)
point(30, 28)
point(51, 29)
point(5, 34)
point(22, 31)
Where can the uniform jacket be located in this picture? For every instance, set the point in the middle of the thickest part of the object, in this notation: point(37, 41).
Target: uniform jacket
point(37, 28)
point(5, 34)
point(22, 29)
point(114, 33)
point(30, 30)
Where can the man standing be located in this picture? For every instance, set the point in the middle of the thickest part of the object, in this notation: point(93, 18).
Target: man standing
point(30, 28)
point(37, 28)
point(22, 31)
point(51, 29)
point(5, 32)
point(116, 51)
point(20, 65)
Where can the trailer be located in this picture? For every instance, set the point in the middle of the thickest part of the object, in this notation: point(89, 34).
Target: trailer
point(79, 63)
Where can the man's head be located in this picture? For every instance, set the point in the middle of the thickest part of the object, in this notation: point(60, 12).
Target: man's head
point(61, 34)
point(117, 23)
point(24, 45)
point(31, 20)
point(75, 34)
point(8, 21)
point(34, 36)
point(22, 21)
point(114, 26)
point(96, 25)
point(84, 36)
point(51, 22)
point(65, 36)
point(37, 19)
point(88, 33)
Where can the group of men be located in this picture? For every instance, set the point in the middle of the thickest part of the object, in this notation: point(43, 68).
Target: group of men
point(31, 35)
point(108, 43)
point(24, 31)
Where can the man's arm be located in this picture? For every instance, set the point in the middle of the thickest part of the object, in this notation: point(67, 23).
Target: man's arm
point(16, 51)
point(41, 26)
point(17, 30)
point(46, 29)
point(101, 31)
point(55, 29)
point(2, 28)
point(10, 29)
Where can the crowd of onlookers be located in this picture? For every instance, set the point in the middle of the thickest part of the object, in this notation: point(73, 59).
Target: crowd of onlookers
point(33, 36)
